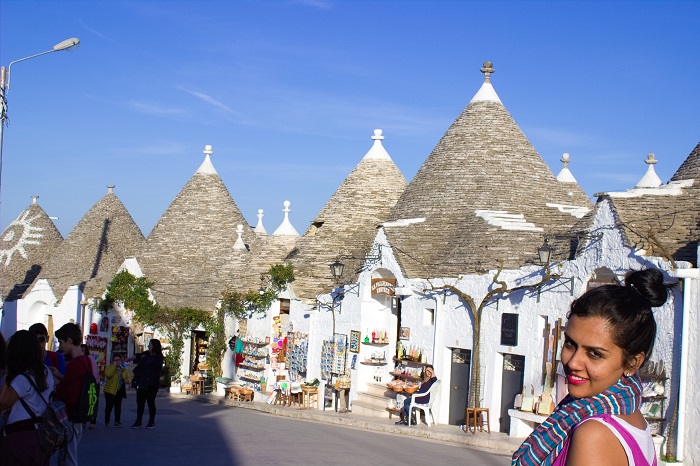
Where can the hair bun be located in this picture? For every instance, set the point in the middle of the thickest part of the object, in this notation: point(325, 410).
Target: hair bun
point(650, 284)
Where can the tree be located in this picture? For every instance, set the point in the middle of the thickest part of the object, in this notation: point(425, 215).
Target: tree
point(133, 293)
point(477, 312)
point(241, 305)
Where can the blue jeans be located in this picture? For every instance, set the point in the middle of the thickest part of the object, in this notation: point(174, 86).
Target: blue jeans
point(71, 451)
point(406, 407)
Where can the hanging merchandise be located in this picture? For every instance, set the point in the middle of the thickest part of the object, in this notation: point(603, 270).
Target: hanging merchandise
point(104, 324)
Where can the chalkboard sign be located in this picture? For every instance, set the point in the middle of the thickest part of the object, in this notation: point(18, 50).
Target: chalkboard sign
point(509, 329)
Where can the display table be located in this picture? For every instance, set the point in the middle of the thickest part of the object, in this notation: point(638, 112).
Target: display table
point(522, 423)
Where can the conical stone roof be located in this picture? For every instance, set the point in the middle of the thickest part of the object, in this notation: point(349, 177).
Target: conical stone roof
point(95, 249)
point(690, 168)
point(347, 224)
point(483, 195)
point(663, 221)
point(27, 245)
point(189, 254)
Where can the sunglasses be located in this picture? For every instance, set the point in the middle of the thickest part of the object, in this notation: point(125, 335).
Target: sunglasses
point(42, 338)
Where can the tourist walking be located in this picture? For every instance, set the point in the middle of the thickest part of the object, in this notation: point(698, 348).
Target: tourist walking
point(147, 381)
point(609, 334)
point(116, 380)
point(68, 390)
point(25, 391)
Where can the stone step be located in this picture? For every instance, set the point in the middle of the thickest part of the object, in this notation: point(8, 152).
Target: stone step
point(363, 409)
point(380, 389)
point(369, 399)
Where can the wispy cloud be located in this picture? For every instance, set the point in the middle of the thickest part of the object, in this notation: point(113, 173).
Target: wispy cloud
point(209, 99)
point(151, 108)
point(95, 32)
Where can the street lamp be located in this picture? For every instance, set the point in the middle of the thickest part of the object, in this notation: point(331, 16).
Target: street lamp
point(68, 44)
point(337, 270)
point(83, 303)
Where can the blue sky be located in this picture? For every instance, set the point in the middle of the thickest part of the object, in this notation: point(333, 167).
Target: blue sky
point(289, 92)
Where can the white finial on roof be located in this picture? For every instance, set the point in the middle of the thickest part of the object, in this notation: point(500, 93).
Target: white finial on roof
point(207, 167)
point(259, 228)
point(486, 92)
point(565, 175)
point(34, 198)
point(377, 150)
point(286, 227)
point(110, 189)
point(650, 178)
point(239, 244)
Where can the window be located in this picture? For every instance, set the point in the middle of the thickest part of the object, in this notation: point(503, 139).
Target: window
point(428, 316)
point(284, 306)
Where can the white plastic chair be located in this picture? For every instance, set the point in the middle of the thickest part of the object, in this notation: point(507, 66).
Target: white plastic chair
point(427, 408)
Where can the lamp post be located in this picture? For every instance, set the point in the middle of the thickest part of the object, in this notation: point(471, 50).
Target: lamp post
point(337, 272)
point(83, 303)
point(68, 44)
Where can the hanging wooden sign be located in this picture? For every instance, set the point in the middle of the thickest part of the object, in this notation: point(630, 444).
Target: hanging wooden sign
point(383, 286)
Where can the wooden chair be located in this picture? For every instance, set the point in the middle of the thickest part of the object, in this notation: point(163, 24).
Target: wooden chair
point(283, 395)
point(295, 395)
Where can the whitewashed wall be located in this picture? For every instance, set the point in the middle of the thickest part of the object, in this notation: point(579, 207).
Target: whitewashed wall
point(453, 327)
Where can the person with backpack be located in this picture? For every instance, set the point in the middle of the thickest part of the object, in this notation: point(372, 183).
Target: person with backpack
point(147, 381)
point(52, 358)
point(27, 387)
point(77, 389)
point(96, 374)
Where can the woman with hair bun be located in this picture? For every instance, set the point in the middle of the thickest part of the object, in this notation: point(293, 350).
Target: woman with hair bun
point(609, 334)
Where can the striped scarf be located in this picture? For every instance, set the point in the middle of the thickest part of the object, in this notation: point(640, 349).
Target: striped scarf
point(547, 440)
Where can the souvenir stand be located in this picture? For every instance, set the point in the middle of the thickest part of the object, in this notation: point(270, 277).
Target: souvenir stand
point(333, 362)
point(98, 348)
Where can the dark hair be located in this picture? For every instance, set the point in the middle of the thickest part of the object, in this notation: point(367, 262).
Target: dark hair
point(627, 309)
point(24, 356)
point(86, 350)
point(71, 331)
point(38, 329)
point(3, 354)
point(157, 348)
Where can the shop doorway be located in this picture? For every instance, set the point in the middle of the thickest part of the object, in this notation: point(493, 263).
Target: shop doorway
point(511, 385)
point(198, 355)
point(459, 385)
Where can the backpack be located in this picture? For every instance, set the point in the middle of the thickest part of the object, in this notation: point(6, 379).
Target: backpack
point(55, 430)
point(87, 402)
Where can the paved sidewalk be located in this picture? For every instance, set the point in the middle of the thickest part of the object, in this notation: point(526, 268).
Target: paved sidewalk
point(495, 441)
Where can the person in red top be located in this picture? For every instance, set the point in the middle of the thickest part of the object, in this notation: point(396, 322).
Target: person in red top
point(68, 390)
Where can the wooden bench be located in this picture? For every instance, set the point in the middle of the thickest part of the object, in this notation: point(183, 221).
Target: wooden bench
point(393, 411)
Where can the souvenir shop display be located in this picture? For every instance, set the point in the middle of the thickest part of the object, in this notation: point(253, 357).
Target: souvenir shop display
point(340, 345)
point(326, 359)
point(98, 348)
point(119, 339)
point(297, 357)
point(252, 368)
